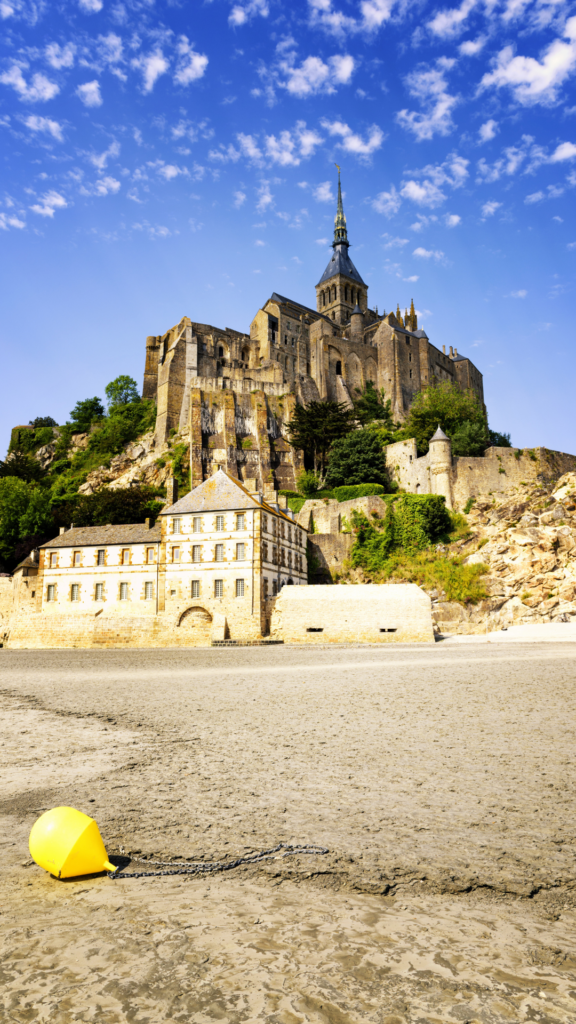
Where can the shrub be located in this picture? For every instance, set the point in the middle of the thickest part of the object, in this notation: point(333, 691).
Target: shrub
point(347, 493)
point(469, 505)
point(308, 483)
point(445, 404)
point(357, 459)
point(43, 421)
point(85, 413)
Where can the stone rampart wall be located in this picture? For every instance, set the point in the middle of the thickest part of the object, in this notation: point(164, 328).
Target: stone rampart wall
point(327, 553)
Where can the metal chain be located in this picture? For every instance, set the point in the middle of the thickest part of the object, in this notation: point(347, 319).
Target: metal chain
point(212, 867)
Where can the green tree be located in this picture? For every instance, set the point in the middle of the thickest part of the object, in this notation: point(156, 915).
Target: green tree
point(470, 439)
point(445, 404)
point(37, 520)
point(372, 404)
point(122, 391)
point(315, 428)
point(126, 506)
point(16, 498)
point(308, 483)
point(22, 465)
point(84, 413)
point(357, 459)
point(43, 421)
point(498, 440)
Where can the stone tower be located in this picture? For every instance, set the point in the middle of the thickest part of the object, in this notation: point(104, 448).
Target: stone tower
point(441, 465)
point(340, 288)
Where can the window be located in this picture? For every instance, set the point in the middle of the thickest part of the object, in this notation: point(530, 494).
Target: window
point(285, 339)
point(239, 588)
point(148, 591)
point(290, 559)
point(219, 552)
point(265, 587)
point(265, 523)
point(265, 551)
point(274, 588)
point(219, 523)
point(149, 555)
point(218, 588)
point(274, 554)
point(197, 553)
point(410, 374)
point(123, 591)
point(338, 368)
point(240, 552)
point(283, 557)
point(197, 524)
point(75, 592)
point(195, 590)
point(99, 592)
point(290, 533)
point(282, 531)
point(274, 526)
point(175, 554)
point(409, 357)
point(51, 592)
point(220, 351)
point(240, 521)
point(53, 560)
point(176, 526)
point(101, 557)
point(76, 558)
point(125, 556)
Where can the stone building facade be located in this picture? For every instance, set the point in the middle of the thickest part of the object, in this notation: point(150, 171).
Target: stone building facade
point(235, 392)
point(210, 569)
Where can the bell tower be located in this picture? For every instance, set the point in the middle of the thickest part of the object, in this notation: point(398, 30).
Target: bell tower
point(340, 288)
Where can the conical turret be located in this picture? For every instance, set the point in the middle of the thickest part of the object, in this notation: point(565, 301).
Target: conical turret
point(340, 231)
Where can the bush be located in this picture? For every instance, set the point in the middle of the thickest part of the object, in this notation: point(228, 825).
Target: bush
point(371, 405)
point(357, 459)
point(43, 421)
point(347, 493)
point(308, 483)
point(470, 439)
point(85, 413)
point(498, 440)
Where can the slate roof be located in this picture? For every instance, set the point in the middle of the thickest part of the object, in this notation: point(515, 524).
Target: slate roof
point(439, 435)
point(341, 263)
point(275, 297)
point(27, 563)
point(81, 536)
point(220, 492)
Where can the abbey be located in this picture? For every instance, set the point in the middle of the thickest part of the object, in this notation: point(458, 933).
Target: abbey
point(236, 392)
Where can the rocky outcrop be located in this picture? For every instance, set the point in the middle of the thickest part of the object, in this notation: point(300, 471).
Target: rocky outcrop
point(528, 544)
point(142, 462)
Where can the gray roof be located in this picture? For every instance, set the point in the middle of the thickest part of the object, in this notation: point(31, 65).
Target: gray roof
point(275, 297)
point(27, 563)
point(439, 435)
point(220, 492)
point(132, 533)
point(357, 310)
point(420, 334)
point(341, 263)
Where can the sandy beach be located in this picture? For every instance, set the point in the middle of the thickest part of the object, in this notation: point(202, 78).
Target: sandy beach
point(440, 778)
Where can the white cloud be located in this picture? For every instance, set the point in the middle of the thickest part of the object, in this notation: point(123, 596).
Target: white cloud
point(265, 197)
point(488, 130)
point(536, 81)
point(241, 13)
point(110, 48)
point(413, 277)
point(239, 199)
point(374, 13)
point(102, 187)
point(428, 254)
point(152, 66)
point(259, 242)
point(60, 56)
point(287, 149)
point(91, 6)
point(39, 90)
point(521, 294)
point(571, 245)
point(472, 46)
point(489, 208)
point(192, 65)
point(387, 203)
point(536, 197)
point(314, 75)
point(352, 142)
point(323, 193)
point(394, 243)
point(448, 23)
point(170, 171)
point(100, 160)
point(565, 151)
point(49, 202)
point(430, 87)
point(322, 241)
point(250, 148)
point(44, 125)
point(8, 221)
point(453, 220)
point(424, 193)
point(89, 93)
point(224, 154)
point(508, 164)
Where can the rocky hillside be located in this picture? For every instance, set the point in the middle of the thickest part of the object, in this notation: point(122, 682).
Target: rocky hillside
point(528, 544)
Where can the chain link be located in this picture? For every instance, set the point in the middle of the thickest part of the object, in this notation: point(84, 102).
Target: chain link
point(212, 867)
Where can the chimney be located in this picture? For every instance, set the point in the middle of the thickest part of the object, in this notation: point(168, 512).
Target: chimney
point(33, 555)
point(444, 349)
point(148, 524)
point(455, 353)
point(171, 490)
point(451, 352)
point(62, 530)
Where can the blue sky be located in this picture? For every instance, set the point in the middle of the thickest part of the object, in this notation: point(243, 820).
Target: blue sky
point(169, 159)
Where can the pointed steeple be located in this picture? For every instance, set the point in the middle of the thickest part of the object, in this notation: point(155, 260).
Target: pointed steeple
point(340, 232)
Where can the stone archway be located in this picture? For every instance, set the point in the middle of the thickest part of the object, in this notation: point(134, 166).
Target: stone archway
point(198, 621)
point(354, 374)
point(371, 371)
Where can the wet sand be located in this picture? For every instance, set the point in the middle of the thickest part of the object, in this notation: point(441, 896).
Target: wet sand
point(440, 779)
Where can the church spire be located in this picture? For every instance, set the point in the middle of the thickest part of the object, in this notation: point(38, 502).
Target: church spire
point(340, 232)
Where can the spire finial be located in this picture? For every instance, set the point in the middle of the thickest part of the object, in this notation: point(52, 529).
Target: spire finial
point(340, 232)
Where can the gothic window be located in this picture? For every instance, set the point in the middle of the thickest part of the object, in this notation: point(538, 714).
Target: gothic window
point(333, 316)
point(220, 352)
point(352, 296)
point(346, 293)
point(338, 368)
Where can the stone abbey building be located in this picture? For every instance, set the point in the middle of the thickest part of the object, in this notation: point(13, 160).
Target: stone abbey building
point(236, 392)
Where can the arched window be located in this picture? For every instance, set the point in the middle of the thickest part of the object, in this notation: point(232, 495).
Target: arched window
point(334, 294)
point(333, 316)
point(220, 351)
point(323, 299)
point(352, 294)
point(339, 368)
point(346, 292)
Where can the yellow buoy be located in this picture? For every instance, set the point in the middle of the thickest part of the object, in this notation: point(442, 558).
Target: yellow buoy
point(67, 843)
